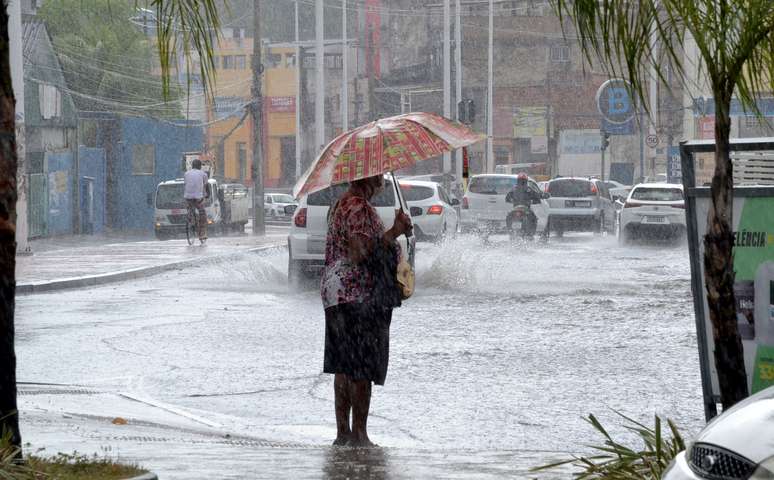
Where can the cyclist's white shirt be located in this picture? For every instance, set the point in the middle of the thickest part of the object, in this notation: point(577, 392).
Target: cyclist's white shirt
point(194, 184)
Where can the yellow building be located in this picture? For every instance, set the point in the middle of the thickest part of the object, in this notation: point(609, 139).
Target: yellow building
point(229, 134)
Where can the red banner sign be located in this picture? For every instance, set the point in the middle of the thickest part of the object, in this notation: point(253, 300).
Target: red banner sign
point(281, 104)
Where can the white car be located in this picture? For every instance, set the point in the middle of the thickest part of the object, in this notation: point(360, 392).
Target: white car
point(432, 210)
point(309, 228)
point(739, 444)
point(484, 208)
point(274, 206)
point(655, 209)
point(617, 189)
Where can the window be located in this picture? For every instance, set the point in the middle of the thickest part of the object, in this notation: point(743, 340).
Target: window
point(143, 159)
point(50, 101)
point(88, 133)
point(560, 53)
point(491, 185)
point(290, 60)
point(414, 193)
point(170, 196)
point(228, 62)
point(241, 149)
point(273, 60)
point(240, 61)
point(651, 194)
point(570, 188)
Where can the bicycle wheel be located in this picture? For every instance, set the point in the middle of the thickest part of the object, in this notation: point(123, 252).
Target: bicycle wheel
point(190, 226)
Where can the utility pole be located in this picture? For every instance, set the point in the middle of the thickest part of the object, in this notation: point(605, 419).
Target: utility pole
point(17, 80)
point(345, 69)
point(653, 94)
point(446, 78)
point(490, 94)
point(458, 78)
point(298, 98)
point(319, 102)
point(256, 106)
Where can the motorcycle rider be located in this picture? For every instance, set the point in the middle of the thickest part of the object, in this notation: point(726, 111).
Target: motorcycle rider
point(522, 195)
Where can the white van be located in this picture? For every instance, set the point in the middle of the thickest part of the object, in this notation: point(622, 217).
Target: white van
point(226, 210)
point(309, 228)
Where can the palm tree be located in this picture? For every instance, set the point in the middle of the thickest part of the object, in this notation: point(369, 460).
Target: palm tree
point(735, 40)
point(184, 27)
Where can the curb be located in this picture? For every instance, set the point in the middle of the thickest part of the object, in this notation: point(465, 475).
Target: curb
point(124, 275)
point(145, 476)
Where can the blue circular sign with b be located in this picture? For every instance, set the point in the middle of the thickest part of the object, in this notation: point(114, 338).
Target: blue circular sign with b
point(614, 102)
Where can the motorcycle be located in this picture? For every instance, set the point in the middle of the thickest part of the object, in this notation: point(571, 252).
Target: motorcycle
point(521, 223)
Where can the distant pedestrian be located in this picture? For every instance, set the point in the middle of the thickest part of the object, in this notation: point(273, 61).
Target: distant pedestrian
point(358, 305)
point(194, 192)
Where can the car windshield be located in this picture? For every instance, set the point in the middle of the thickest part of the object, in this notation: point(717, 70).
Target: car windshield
point(413, 193)
point(170, 196)
point(650, 194)
point(283, 198)
point(327, 197)
point(491, 185)
point(570, 187)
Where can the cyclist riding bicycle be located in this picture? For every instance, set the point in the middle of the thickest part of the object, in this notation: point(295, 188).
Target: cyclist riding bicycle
point(194, 193)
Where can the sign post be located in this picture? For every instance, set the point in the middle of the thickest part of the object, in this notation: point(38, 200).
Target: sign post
point(753, 226)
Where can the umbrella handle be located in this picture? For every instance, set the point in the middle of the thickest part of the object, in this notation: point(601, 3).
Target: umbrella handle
point(397, 193)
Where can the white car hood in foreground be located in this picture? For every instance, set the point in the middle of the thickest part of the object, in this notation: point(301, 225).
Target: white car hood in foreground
point(746, 429)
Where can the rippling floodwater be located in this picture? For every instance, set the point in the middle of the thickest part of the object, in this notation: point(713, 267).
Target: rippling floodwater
point(502, 348)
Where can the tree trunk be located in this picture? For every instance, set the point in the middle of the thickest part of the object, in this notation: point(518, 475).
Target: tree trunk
point(719, 266)
point(9, 419)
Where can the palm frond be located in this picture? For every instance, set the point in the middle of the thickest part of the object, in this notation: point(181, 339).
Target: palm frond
point(190, 27)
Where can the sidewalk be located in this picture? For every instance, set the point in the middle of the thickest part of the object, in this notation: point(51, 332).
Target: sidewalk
point(82, 261)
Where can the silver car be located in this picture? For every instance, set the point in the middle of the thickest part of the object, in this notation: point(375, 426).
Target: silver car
point(580, 205)
point(734, 446)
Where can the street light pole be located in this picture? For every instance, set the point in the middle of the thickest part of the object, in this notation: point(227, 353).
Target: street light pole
point(458, 78)
point(256, 106)
point(319, 102)
point(490, 94)
point(345, 69)
point(446, 76)
point(298, 97)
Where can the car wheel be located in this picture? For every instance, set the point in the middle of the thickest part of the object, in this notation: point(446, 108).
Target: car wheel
point(162, 236)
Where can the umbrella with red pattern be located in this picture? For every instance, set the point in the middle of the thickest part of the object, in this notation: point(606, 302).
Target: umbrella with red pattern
point(383, 146)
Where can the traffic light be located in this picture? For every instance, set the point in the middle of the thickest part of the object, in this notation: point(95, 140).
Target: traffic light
point(466, 111)
point(605, 140)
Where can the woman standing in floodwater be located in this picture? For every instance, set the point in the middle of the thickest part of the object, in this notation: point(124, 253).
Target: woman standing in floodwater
point(357, 314)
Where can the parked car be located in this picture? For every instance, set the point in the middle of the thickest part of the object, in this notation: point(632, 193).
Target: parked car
point(432, 209)
point(580, 205)
point(275, 206)
point(309, 228)
point(226, 206)
point(484, 208)
point(617, 190)
point(656, 209)
point(739, 444)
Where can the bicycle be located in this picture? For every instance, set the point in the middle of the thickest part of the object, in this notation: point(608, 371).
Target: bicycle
point(192, 224)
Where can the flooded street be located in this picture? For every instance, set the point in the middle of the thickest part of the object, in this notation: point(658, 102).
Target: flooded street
point(498, 357)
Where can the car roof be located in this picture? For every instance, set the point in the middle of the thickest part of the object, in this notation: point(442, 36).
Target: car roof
point(659, 185)
point(585, 179)
point(503, 175)
point(418, 183)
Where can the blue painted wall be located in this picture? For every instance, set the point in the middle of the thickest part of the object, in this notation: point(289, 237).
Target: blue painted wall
point(60, 193)
point(133, 191)
point(93, 164)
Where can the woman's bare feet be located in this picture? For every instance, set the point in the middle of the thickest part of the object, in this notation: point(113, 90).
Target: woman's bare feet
point(342, 440)
point(361, 441)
